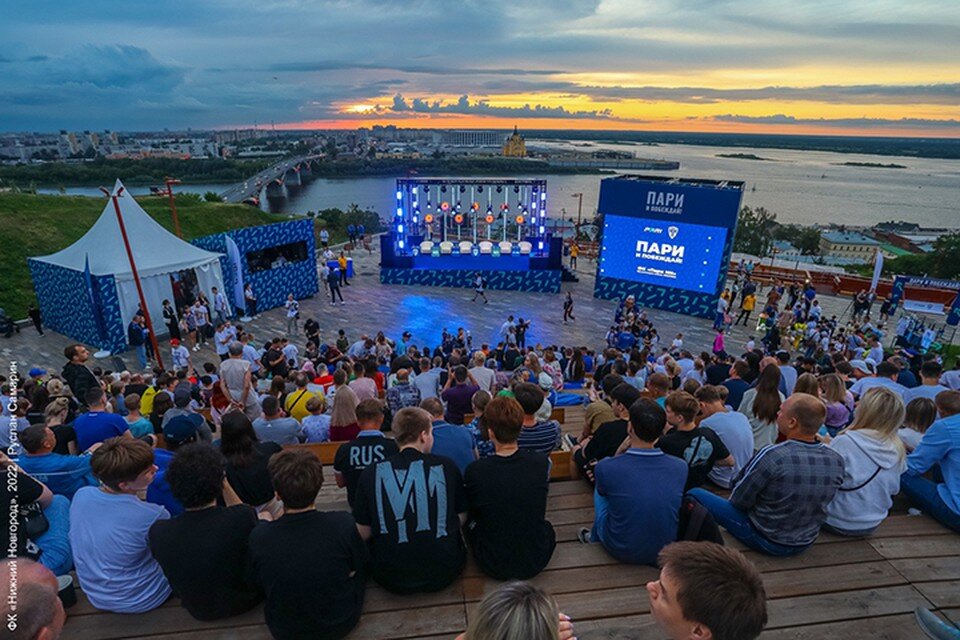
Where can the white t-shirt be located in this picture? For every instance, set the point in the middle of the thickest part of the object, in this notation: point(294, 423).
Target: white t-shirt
point(737, 435)
point(180, 356)
point(293, 307)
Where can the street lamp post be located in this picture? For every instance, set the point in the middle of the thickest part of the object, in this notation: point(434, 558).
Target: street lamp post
point(579, 197)
point(173, 204)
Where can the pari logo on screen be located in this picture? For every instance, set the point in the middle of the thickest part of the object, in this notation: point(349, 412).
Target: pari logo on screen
point(670, 252)
point(664, 202)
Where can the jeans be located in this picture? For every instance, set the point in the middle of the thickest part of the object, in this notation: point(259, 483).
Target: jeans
point(251, 307)
point(292, 325)
point(924, 494)
point(736, 522)
point(334, 292)
point(221, 316)
point(601, 513)
point(141, 350)
point(55, 542)
point(343, 277)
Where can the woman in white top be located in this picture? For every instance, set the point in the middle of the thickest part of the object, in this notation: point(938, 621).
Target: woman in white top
point(873, 459)
point(293, 313)
point(921, 413)
point(761, 405)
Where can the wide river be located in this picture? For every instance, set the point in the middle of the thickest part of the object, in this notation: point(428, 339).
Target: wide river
point(805, 187)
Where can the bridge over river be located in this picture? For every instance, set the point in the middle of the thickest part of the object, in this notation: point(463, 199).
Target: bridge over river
point(293, 171)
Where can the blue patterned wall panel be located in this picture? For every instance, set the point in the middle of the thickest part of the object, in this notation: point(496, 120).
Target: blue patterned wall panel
point(272, 286)
point(542, 280)
point(66, 307)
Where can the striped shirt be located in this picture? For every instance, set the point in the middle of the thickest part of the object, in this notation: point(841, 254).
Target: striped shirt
point(543, 437)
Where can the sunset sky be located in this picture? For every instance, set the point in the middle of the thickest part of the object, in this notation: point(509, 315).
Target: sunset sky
point(857, 67)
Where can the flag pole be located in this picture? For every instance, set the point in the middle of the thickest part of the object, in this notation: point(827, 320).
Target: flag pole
point(136, 276)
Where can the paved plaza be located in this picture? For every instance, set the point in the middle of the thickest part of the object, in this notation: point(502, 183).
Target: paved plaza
point(425, 312)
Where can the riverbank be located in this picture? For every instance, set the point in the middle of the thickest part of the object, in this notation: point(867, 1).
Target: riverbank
point(149, 171)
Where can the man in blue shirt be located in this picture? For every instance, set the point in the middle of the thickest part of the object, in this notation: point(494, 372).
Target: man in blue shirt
point(638, 494)
point(450, 440)
point(98, 424)
point(940, 446)
point(64, 475)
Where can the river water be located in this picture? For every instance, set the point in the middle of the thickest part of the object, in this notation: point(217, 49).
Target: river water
point(803, 187)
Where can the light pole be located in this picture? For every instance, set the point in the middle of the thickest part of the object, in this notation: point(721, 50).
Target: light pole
point(579, 197)
point(173, 204)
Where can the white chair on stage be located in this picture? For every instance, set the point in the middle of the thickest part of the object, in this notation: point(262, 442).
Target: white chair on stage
point(525, 248)
point(466, 247)
point(506, 247)
point(486, 247)
point(446, 247)
point(426, 247)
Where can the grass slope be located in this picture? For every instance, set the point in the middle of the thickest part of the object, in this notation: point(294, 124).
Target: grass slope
point(38, 225)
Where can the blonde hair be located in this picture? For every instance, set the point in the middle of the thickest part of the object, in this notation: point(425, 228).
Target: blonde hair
point(807, 383)
point(833, 388)
point(345, 403)
point(56, 406)
point(881, 411)
point(515, 611)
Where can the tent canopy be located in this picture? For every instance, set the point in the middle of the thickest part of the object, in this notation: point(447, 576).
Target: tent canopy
point(155, 250)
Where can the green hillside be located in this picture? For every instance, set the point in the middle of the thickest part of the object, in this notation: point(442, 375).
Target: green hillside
point(37, 225)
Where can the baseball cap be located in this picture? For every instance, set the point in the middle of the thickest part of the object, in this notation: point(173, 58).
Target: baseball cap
point(181, 429)
point(36, 372)
point(546, 382)
point(862, 366)
point(174, 341)
point(181, 396)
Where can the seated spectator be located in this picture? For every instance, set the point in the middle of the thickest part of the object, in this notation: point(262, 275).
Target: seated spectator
point(699, 447)
point(518, 610)
point(542, 437)
point(364, 386)
point(638, 494)
point(779, 501)
point(930, 372)
point(450, 440)
point(707, 591)
point(402, 394)
point(343, 418)
point(368, 448)
point(887, 374)
point(761, 403)
point(139, 426)
point(247, 460)
point(478, 430)
point(316, 424)
point(411, 507)
point(507, 494)
point(309, 563)
point(873, 459)
point(939, 447)
point(55, 417)
point(203, 551)
point(275, 427)
point(659, 385)
point(32, 501)
point(63, 474)
point(35, 607)
point(599, 411)
point(183, 407)
point(458, 392)
point(97, 424)
point(734, 431)
point(109, 527)
point(920, 414)
point(296, 402)
point(606, 440)
point(736, 384)
point(839, 403)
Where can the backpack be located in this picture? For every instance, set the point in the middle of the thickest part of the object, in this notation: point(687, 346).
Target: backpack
point(697, 524)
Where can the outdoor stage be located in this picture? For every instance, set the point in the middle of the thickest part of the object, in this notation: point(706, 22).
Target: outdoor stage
point(445, 231)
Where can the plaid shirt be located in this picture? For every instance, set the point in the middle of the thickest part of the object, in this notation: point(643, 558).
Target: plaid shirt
point(786, 488)
point(402, 395)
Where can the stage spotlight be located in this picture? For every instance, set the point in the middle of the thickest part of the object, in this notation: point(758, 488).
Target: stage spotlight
point(489, 218)
point(428, 218)
point(458, 218)
point(475, 206)
point(445, 206)
point(504, 206)
point(519, 219)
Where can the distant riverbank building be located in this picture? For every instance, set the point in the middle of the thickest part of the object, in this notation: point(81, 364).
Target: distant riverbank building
point(515, 146)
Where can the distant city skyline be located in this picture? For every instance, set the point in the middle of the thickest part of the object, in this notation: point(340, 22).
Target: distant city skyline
point(860, 68)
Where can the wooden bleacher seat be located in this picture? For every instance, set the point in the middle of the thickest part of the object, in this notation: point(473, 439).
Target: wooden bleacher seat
point(559, 414)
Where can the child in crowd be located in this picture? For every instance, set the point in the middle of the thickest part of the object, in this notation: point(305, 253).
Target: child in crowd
point(316, 425)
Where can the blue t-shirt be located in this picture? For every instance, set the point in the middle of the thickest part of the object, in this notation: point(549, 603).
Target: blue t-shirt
point(454, 442)
point(108, 535)
point(737, 387)
point(641, 492)
point(64, 475)
point(96, 426)
point(159, 491)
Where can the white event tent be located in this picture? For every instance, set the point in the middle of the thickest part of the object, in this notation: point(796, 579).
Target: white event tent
point(157, 253)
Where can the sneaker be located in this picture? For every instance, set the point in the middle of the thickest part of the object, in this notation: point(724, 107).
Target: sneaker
point(196, 348)
point(342, 303)
point(583, 535)
point(933, 626)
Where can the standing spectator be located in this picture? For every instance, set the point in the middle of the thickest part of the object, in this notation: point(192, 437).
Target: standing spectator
point(479, 288)
point(201, 318)
point(324, 238)
point(333, 281)
point(507, 494)
point(34, 314)
point(568, 307)
point(747, 304)
point(109, 529)
point(367, 449)
point(293, 314)
point(343, 264)
point(309, 563)
point(251, 299)
point(236, 382)
point(458, 392)
point(180, 356)
point(542, 437)
point(940, 446)
point(414, 535)
point(638, 494)
point(137, 338)
point(76, 373)
point(427, 381)
point(449, 440)
point(485, 378)
point(220, 308)
point(686, 601)
point(873, 459)
point(779, 501)
point(203, 551)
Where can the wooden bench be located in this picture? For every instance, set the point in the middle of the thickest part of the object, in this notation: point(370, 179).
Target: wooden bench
point(327, 451)
point(559, 414)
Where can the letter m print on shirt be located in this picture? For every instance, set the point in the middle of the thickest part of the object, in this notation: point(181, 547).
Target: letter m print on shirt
point(408, 492)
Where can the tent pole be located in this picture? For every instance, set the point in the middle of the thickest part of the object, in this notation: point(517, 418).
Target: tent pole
point(136, 277)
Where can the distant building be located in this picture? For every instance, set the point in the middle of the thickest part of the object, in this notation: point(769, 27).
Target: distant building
point(471, 138)
point(515, 146)
point(848, 244)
